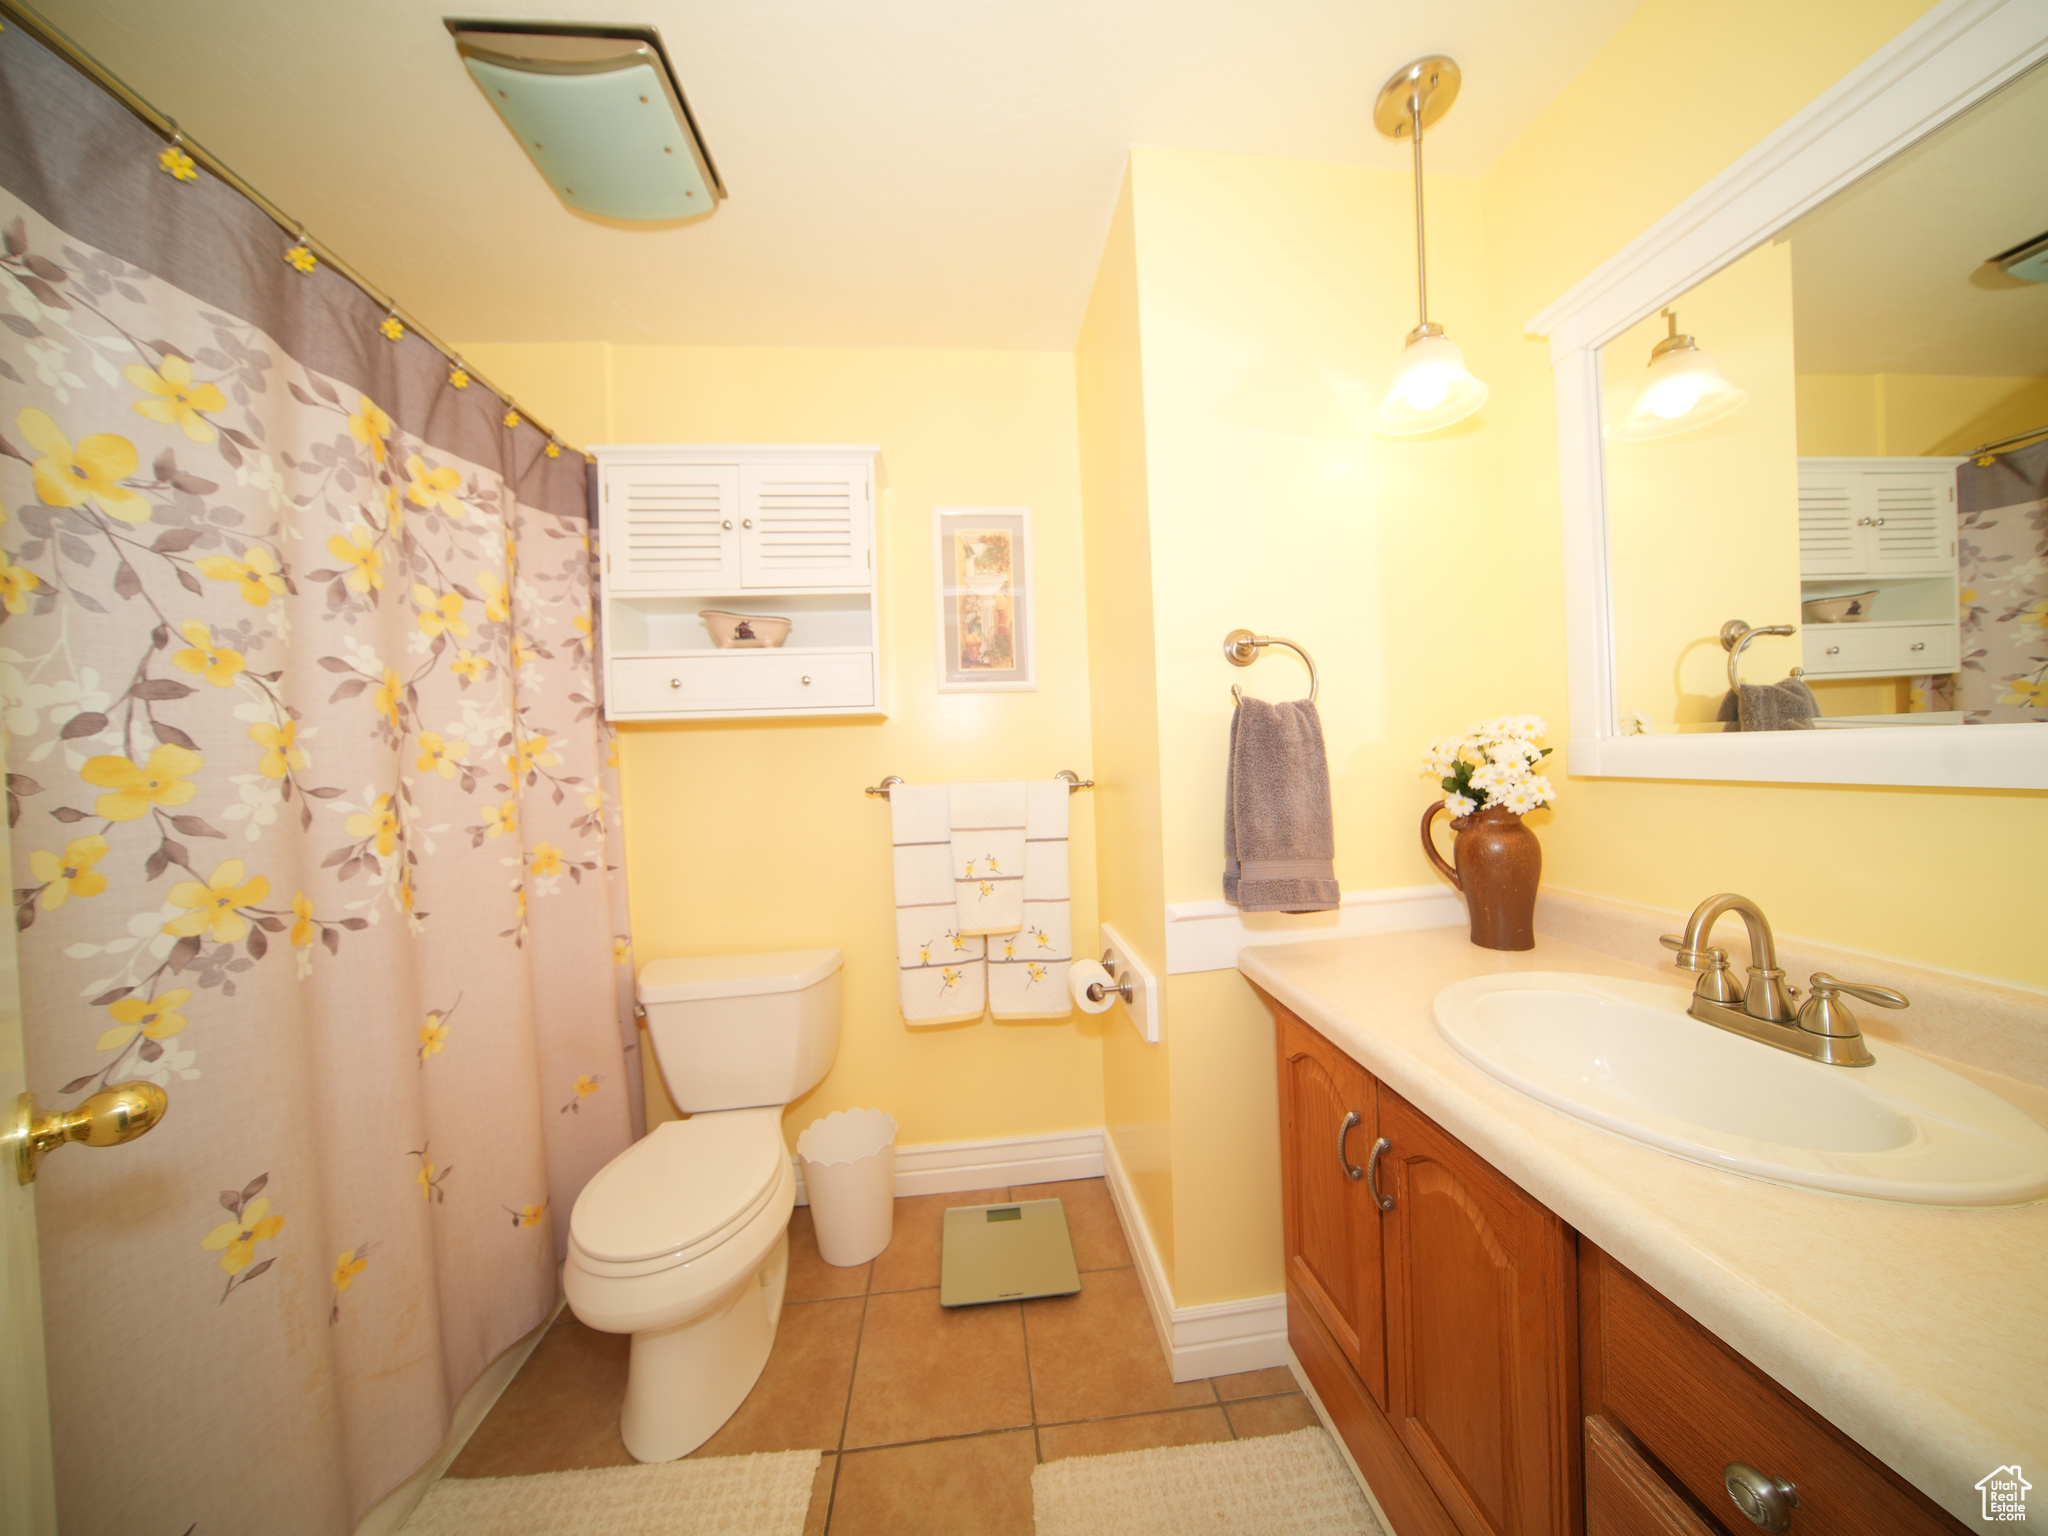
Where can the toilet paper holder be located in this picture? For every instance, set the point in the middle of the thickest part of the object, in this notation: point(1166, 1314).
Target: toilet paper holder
point(1123, 988)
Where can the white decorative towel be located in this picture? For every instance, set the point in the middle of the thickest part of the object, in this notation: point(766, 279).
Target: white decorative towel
point(1027, 970)
point(988, 855)
point(941, 974)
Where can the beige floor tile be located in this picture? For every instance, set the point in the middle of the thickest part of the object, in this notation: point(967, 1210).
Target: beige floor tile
point(800, 1401)
point(911, 1261)
point(974, 1487)
point(926, 1371)
point(561, 1412)
point(1270, 1415)
point(1095, 1356)
point(1267, 1383)
point(1091, 1219)
point(821, 1497)
point(810, 1277)
point(1140, 1432)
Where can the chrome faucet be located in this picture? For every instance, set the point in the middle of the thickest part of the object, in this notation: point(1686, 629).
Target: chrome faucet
point(1823, 1028)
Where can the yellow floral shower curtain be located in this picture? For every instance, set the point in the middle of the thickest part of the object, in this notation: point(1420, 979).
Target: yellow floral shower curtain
point(314, 824)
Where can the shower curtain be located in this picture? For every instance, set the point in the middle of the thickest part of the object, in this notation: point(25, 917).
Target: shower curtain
point(2002, 558)
point(315, 824)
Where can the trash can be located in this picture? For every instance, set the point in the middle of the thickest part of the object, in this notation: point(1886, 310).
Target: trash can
point(849, 1160)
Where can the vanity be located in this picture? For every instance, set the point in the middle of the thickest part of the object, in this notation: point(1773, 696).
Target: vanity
point(1519, 1323)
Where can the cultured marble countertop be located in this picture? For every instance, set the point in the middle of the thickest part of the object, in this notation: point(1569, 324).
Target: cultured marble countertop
point(1921, 1332)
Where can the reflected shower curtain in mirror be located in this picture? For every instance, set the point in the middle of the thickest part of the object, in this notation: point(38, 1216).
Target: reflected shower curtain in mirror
point(2002, 565)
point(314, 824)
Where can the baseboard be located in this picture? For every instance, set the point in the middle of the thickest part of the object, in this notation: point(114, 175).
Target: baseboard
point(1206, 935)
point(951, 1167)
point(1216, 1340)
point(1308, 1389)
point(391, 1512)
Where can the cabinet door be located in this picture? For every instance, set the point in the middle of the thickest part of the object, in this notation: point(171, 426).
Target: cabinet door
point(1330, 1225)
point(1480, 1297)
point(1829, 542)
point(804, 525)
point(671, 527)
point(1912, 522)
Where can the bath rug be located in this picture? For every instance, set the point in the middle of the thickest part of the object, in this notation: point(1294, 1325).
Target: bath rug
point(1295, 1483)
point(763, 1495)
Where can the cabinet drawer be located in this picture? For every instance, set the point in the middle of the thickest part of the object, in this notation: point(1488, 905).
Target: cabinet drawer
point(1697, 1409)
point(681, 685)
point(1888, 650)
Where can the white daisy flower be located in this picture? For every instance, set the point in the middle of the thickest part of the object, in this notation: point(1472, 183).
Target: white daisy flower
point(1458, 805)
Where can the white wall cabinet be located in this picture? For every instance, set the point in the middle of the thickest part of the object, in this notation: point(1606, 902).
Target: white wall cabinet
point(1886, 526)
point(780, 530)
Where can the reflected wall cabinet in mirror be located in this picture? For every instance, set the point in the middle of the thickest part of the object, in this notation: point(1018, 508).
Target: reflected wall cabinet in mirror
point(1803, 434)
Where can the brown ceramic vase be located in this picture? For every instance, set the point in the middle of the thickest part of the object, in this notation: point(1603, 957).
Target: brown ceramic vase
point(1496, 862)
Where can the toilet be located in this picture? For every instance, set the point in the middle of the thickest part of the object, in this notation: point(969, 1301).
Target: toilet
point(682, 1240)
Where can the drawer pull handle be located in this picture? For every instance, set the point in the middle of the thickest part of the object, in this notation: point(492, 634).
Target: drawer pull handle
point(675, 682)
point(1766, 1502)
point(1351, 1169)
point(1919, 645)
point(1372, 1174)
point(807, 680)
point(1834, 650)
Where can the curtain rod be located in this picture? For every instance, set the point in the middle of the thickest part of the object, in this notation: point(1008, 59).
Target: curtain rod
point(2007, 442)
point(167, 128)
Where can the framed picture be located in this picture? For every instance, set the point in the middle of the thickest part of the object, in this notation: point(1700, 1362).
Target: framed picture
point(981, 563)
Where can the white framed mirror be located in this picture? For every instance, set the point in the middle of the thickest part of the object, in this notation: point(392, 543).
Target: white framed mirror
point(1767, 410)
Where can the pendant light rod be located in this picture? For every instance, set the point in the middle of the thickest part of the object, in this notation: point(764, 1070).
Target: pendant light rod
point(1415, 98)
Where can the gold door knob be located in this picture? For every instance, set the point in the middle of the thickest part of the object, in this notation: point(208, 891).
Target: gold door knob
point(110, 1117)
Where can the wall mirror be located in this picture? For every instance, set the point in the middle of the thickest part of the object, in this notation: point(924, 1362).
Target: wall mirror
point(1804, 433)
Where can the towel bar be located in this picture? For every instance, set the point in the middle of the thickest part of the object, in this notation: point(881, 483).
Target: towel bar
point(1736, 634)
point(1241, 648)
point(1075, 784)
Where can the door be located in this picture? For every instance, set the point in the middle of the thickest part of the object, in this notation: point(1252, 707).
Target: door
point(1912, 522)
point(1480, 1325)
point(672, 527)
point(804, 525)
point(1829, 543)
point(1328, 1123)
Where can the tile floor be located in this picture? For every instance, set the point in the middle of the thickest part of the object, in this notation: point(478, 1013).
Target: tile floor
point(931, 1420)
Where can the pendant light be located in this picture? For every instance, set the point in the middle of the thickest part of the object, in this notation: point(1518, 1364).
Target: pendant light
point(1432, 387)
point(1682, 390)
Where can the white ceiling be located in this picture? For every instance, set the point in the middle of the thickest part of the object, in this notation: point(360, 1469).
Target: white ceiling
point(923, 173)
point(1889, 276)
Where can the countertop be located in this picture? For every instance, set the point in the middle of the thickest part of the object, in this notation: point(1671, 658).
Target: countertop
point(1919, 1331)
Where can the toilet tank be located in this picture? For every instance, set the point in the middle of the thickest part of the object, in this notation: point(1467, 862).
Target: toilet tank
point(741, 1031)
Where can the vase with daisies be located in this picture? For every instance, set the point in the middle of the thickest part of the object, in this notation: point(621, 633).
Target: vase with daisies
point(1490, 781)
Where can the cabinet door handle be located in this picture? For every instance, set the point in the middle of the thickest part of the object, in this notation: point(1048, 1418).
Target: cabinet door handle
point(728, 524)
point(1344, 1130)
point(1372, 1174)
point(1766, 1502)
point(746, 522)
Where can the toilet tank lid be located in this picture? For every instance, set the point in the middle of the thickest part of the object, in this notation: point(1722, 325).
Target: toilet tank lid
point(697, 977)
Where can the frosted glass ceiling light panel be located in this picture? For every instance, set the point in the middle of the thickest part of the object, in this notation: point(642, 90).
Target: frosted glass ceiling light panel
point(599, 112)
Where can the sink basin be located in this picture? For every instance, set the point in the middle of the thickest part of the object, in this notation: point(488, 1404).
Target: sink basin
point(1625, 1056)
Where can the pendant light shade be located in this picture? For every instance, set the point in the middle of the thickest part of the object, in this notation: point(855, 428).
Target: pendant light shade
point(1682, 390)
point(1432, 388)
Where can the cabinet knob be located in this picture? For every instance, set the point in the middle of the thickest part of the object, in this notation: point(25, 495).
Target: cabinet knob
point(1766, 1502)
point(1834, 650)
point(675, 682)
point(746, 522)
point(728, 523)
point(807, 679)
point(1918, 645)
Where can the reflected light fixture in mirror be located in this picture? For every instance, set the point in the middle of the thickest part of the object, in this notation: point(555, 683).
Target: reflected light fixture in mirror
point(1432, 387)
point(1682, 390)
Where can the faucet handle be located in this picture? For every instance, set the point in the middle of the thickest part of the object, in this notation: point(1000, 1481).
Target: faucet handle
point(1884, 997)
point(1690, 959)
point(1824, 1015)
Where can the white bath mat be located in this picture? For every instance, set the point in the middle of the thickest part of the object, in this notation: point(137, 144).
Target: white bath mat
point(1296, 1483)
point(764, 1495)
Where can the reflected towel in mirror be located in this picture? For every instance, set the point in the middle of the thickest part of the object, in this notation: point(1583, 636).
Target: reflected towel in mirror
point(1783, 706)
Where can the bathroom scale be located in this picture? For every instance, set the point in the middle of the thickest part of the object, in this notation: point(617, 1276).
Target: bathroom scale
point(1006, 1253)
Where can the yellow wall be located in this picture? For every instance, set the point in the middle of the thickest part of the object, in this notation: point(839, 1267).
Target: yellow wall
point(750, 835)
point(1854, 415)
point(1941, 877)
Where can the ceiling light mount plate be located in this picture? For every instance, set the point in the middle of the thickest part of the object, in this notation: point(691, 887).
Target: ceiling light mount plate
point(1434, 78)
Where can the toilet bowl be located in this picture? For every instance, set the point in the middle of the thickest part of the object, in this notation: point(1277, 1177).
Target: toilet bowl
point(682, 1240)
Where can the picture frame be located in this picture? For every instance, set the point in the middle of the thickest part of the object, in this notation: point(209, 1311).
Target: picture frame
point(982, 586)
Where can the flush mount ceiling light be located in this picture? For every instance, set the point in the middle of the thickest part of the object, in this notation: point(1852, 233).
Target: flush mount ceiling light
point(1431, 387)
point(599, 111)
point(1682, 390)
point(2028, 259)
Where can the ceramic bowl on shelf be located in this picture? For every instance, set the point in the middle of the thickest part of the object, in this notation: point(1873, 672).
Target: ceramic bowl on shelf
point(744, 631)
point(1854, 608)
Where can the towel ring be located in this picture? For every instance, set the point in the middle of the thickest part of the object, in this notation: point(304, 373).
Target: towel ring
point(1736, 634)
point(1241, 648)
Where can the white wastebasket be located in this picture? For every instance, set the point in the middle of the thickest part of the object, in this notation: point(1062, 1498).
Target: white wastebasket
point(849, 1160)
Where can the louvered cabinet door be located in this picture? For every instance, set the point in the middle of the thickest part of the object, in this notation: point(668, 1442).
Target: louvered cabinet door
point(1912, 523)
point(1829, 532)
point(672, 527)
point(804, 525)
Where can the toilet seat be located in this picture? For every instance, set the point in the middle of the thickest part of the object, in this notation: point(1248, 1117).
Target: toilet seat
point(678, 1193)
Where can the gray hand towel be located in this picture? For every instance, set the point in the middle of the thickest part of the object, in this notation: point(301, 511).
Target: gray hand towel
point(1279, 843)
point(1786, 706)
